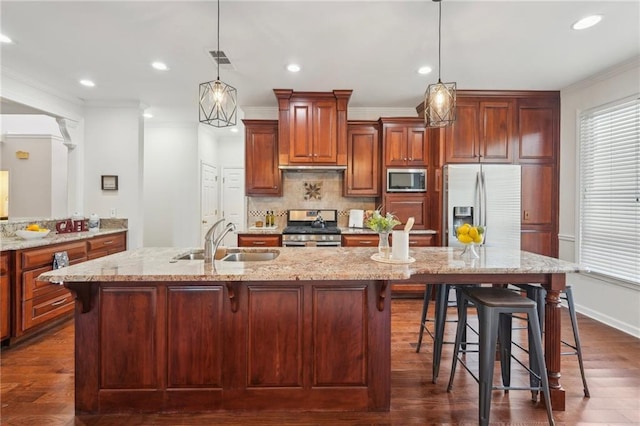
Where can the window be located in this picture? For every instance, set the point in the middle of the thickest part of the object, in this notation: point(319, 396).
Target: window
point(610, 190)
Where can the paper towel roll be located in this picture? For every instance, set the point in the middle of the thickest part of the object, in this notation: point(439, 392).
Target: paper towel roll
point(400, 245)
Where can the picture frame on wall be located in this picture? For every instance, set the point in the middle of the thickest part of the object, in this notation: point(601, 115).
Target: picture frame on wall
point(109, 182)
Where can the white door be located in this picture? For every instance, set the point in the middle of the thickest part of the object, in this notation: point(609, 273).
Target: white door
point(208, 198)
point(233, 201)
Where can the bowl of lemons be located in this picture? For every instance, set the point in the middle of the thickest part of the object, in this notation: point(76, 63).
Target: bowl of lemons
point(470, 236)
point(32, 232)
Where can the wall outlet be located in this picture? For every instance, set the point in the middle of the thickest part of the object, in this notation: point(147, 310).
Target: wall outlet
point(113, 212)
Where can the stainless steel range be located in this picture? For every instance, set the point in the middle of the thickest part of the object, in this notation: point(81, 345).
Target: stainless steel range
point(309, 228)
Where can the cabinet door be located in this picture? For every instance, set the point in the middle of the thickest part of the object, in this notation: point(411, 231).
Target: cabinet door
point(395, 146)
point(261, 158)
point(325, 135)
point(496, 124)
point(417, 147)
point(406, 206)
point(538, 130)
point(360, 240)
point(5, 297)
point(256, 240)
point(301, 132)
point(462, 141)
point(362, 177)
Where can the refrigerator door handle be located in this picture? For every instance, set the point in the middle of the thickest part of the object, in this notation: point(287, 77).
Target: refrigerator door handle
point(478, 200)
point(483, 209)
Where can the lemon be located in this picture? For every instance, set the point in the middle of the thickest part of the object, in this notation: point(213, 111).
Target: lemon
point(465, 239)
point(473, 232)
point(478, 239)
point(464, 229)
point(33, 227)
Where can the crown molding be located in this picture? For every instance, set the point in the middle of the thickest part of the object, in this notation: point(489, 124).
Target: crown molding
point(20, 78)
point(604, 75)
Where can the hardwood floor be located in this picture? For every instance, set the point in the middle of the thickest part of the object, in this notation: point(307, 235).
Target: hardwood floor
point(37, 385)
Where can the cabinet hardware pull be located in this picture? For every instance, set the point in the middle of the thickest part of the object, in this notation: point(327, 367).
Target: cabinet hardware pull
point(106, 243)
point(258, 243)
point(59, 302)
point(364, 242)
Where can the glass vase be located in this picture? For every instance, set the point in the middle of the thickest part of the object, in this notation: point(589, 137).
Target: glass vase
point(384, 249)
point(469, 252)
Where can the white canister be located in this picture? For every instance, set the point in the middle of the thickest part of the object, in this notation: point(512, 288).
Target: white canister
point(94, 223)
point(400, 245)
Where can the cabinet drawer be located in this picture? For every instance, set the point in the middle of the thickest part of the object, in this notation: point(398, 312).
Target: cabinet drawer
point(32, 288)
point(35, 258)
point(368, 240)
point(45, 308)
point(421, 240)
point(110, 243)
point(259, 240)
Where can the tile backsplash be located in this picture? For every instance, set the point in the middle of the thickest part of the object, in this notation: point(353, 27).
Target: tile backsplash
point(308, 191)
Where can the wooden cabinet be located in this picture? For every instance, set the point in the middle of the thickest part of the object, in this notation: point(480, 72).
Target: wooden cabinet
point(262, 176)
point(5, 297)
point(37, 302)
point(312, 127)
point(106, 244)
point(258, 240)
point(538, 154)
point(360, 240)
point(405, 142)
point(405, 206)
point(362, 177)
point(483, 131)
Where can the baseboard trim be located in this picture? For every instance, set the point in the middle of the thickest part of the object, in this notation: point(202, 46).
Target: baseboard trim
point(611, 322)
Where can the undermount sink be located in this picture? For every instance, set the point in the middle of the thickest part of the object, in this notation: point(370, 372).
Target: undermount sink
point(230, 255)
point(250, 256)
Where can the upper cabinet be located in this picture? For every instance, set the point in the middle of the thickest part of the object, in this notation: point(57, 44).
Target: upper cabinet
point(362, 177)
point(312, 127)
point(482, 133)
point(405, 142)
point(262, 176)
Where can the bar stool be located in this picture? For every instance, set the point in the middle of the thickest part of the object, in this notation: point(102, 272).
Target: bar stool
point(538, 294)
point(491, 304)
point(440, 318)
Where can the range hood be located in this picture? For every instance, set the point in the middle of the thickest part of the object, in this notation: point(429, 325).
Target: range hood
point(309, 168)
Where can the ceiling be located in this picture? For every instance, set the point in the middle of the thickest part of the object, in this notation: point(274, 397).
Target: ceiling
point(372, 47)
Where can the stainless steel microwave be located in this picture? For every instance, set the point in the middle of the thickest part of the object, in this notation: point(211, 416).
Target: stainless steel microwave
point(406, 180)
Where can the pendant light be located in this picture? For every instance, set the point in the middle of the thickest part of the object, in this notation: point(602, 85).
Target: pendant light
point(440, 98)
point(218, 100)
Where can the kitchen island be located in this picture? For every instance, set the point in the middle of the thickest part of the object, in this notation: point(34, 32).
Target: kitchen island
point(309, 330)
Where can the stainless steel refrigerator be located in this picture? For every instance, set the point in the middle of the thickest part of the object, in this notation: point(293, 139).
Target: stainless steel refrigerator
point(486, 195)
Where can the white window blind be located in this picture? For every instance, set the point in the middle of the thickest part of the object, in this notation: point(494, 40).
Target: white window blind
point(610, 190)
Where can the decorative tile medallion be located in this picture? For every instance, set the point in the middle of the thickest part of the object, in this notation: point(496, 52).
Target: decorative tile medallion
point(313, 190)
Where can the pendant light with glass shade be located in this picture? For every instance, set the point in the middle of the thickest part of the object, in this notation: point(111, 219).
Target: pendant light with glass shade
point(218, 100)
point(440, 98)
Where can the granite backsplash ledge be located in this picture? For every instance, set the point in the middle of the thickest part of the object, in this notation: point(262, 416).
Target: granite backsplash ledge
point(8, 229)
point(307, 191)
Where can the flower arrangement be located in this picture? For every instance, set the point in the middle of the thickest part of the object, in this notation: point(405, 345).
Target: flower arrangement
point(379, 223)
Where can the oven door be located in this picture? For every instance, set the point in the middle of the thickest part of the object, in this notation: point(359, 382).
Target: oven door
point(311, 244)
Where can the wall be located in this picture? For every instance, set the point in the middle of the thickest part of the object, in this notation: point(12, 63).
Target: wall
point(114, 146)
point(171, 179)
point(37, 184)
point(295, 197)
point(609, 301)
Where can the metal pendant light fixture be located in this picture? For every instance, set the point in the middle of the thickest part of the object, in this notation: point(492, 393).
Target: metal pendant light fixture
point(218, 100)
point(440, 98)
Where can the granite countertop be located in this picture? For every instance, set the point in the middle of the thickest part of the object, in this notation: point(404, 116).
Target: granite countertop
point(305, 263)
point(17, 243)
point(343, 230)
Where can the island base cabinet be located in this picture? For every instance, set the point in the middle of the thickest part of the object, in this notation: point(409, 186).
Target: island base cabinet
point(232, 346)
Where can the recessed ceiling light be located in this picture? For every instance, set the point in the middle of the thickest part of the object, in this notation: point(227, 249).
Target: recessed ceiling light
point(87, 83)
point(293, 67)
point(147, 115)
point(234, 130)
point(424, 70)
point(587, 22)
point(5, 39)
point(160, 66)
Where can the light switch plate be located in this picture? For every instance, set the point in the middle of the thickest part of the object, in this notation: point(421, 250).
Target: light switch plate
point(113, 212)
